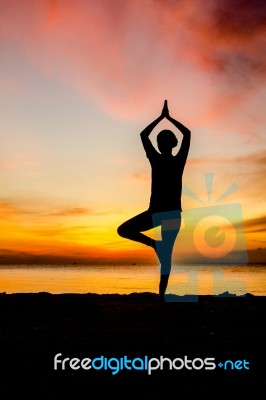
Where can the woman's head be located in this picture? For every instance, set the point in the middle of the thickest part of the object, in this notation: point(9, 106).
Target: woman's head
point(166, 141)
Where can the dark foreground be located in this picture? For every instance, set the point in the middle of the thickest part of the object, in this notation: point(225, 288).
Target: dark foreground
point(35, 327)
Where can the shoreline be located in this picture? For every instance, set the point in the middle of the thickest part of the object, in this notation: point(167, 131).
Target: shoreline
point(169, 297)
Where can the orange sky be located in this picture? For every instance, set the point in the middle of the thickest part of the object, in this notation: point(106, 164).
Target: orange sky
point(80, 80)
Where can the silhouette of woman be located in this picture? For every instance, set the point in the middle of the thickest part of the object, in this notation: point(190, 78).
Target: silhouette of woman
point(165, 201)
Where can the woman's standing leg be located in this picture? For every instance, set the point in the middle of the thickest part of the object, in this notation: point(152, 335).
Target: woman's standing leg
point(170, 226)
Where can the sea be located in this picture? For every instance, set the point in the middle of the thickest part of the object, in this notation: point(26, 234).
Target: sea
point(193, 279)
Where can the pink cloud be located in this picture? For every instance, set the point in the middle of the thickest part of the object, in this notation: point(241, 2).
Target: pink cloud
point(130, 56)
point(17, 163)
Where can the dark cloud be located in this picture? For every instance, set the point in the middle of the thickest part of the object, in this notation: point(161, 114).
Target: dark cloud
point(256, 224)
point(9, 209)
point(72, 211)
point(243, 18)
point(11, 257)
point(239, 28)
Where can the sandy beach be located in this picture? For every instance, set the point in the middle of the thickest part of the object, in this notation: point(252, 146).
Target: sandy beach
point(37, 326)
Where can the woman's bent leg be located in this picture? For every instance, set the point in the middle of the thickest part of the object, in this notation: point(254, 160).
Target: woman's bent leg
point(132, 229)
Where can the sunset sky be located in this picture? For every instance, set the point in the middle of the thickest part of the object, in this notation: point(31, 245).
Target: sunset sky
point(79, 80)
